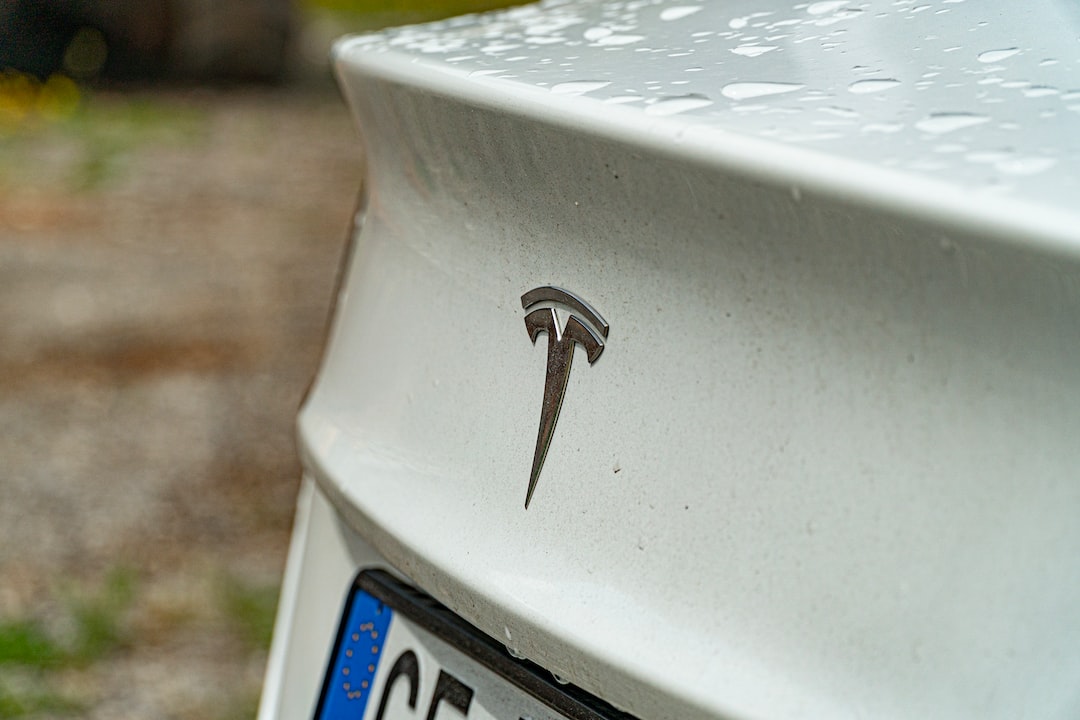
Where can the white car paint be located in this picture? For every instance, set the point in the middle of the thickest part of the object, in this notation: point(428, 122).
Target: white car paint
point(827, 466)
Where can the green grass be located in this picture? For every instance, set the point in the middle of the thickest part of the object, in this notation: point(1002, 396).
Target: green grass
point(102, 130)
point(444, 8)
point(250, 610)
point(35, 701)
point(373, 14)
point(110, 129)
point(25, 643)
point(28, 652)
point(99, 618)
point(98, 629)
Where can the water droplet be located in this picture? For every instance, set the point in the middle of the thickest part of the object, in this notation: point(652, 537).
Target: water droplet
point(578, 87)
point(845, 14)
point(747, 109)
point(514, 653)
point(560, 679)
point(827, 6)
point(796, 193)
point(993, 56)
point(940, 123)
point(839, 111)
point(611, 40)
point(741, 22)
point(864, 87)
point(1025, 165)
point(887, 128)
point(596, 33)
point(1040, 91)
point(752, 50)
point(679, 11)
point(507, 631)
point(496, 48)
point(748, 90)
point(675, 105)
point(622, 99)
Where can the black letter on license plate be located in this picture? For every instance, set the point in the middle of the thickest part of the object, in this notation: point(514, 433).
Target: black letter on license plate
point(450, 689)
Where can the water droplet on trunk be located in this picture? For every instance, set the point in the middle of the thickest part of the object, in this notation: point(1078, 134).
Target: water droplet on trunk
point(679, 11)
point(939, 123)
point(752, 50)
point(864, 87)
point(578, 87)
point(748, 90)
point(675, 105)
point(993, 56)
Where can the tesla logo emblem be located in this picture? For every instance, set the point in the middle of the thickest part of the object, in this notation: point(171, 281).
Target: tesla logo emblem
point(585, 327)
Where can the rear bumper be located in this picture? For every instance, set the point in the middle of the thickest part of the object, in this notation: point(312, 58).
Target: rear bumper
point(323, 560)
point(826, 466)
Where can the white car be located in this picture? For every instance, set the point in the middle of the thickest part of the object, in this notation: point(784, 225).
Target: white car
point(700, 361)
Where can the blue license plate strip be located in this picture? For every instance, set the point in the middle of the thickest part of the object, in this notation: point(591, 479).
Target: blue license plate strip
point(376, 600)
point(351, 675)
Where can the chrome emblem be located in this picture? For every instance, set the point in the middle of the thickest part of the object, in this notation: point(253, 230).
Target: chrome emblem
point(585, 327)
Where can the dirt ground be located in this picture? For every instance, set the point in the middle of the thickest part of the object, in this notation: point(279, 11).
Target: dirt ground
point(167, 261)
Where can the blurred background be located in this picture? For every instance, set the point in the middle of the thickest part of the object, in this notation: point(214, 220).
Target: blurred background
point(176, 180)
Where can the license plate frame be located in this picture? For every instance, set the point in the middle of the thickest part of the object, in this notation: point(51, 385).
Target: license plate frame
point(374, 589)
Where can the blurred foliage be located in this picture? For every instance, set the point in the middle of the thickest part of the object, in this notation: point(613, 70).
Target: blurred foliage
point(428, 8)
point(21, 703)
point(111, 129)
point(100, 129)
point(98, 623)
point(98, 629)
point(24, 99)
point(251, 610)
point(30, 654)
point(371, 14)
point(25, 642)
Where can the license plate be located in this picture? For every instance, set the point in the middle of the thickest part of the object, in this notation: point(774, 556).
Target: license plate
point(400, 655)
